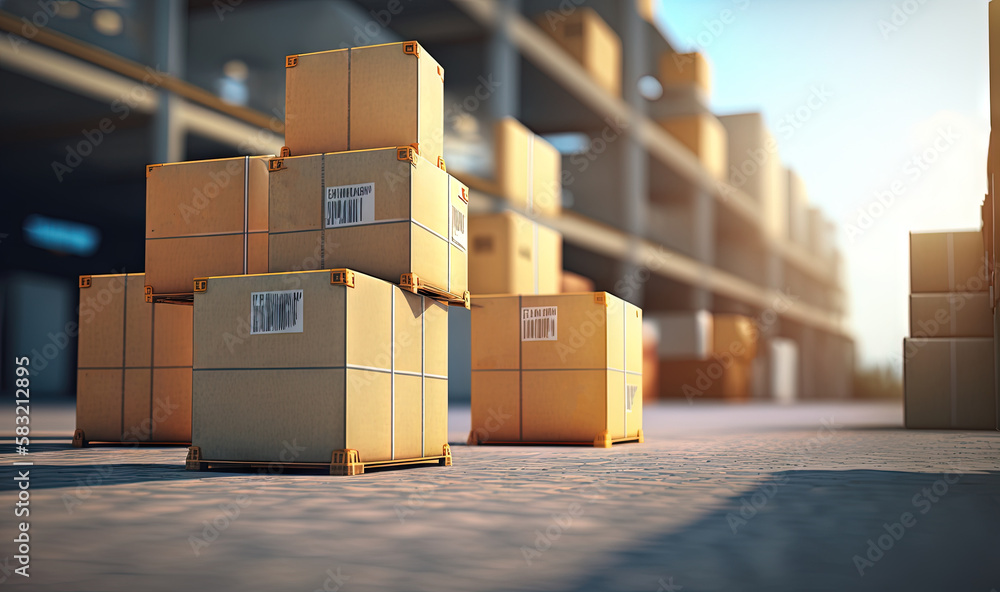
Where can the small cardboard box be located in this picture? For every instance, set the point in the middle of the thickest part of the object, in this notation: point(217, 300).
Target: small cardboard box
point(948, 384)
point(365, 97)
point(965, 314)
point(683, 69)
point(700, 334)
point(586, 37)
point(512, 254)
point(205, 218)
point(705, 137)
point(133, 364)
point(561, 368)
point(528, 169)
point(720, 377)
point(385, 212)
point(314, 362)
point(947, 262)
point(570, 282)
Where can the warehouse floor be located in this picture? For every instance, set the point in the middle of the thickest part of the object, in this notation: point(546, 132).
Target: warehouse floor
point(720, 497)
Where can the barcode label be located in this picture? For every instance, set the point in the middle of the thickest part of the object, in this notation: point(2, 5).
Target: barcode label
point(348, 205)
point(630, 391)
point(276, 312)
point(459, 233)
point(538, 323)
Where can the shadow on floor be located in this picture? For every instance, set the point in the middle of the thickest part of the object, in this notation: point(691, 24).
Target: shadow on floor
point(820, 530)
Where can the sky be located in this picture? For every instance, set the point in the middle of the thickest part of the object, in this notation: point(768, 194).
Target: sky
point(895, 140)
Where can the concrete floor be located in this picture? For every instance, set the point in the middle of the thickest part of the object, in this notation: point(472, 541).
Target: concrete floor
point(720, 497)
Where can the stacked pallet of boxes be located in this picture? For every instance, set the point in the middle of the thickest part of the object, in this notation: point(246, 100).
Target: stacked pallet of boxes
point(546, 367)
point(704, 355)
point(948, 375)
point(320, 277)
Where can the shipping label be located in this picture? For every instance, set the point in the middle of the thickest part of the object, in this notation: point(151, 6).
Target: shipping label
point(276, 312)
point(539, 323)
point(350, 205)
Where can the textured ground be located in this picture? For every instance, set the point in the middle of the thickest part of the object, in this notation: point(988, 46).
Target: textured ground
point(756, 497)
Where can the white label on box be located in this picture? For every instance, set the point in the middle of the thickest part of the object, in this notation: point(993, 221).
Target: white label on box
point(459, 232)
point(276, 312)
point(630, 392)
point(538, 323)
point(350, 205)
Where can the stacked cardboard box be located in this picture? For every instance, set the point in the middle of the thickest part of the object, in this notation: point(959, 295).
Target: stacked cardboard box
point(755, 167)
point(948, 375)
point(513, 254)
point(705, 355)
point(686, 70)
point(590, 41)
point(133, 366)
point(705, 137)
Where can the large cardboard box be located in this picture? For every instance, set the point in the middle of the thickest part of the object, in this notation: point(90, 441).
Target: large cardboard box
point(386, 212)
point(314, 362)
point(365, 97)
point(683, 69)
point(133, 364)
point(205, 218)
point(948, 384)
point(719, 377)
point(705, 137)
point(947, 262)
point(586, 37)
point(699, 334)
point(528, 169)
point(965, 314)
point(512, 254)
point(561, 368)
point(755, 167)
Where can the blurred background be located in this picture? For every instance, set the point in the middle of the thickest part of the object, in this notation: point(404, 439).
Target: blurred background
point(856, 101)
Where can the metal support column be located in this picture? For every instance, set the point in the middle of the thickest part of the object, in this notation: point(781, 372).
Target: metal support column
point(504, 62)
point(169, 40)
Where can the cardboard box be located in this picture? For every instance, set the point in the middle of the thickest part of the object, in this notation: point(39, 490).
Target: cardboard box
point(528, 169)
point(699, 335)
point(570, 282)
point(966, 314)
point(512, 254)
point(586, 37)
point(755, 168)
point(560, 368)
point(948, 384)
point(365, 97)
point(822, 242)
point(205, 218)
point(715, 378)
point(798, 210)
point(947, 262)
point(133, 364)
point(322, 360)
point(705, 137)
point(684, 69)
point(385, 212)
point(650, 361)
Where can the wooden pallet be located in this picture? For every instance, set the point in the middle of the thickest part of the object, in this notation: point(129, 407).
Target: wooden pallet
point(343, 462)
point(413, 283)
point(80, 441)
point(603, 440)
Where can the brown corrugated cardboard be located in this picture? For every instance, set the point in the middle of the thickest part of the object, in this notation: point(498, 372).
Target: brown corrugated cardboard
point(586, 37)
point(306, 360)
point(681, 69)
point(705, 137)
point(947, 262)
point(721, 377)
point(134, 364)
point(734, 334)
point(650, 361)
point(948, 384)
point(965, 314)
point(205, 218)
point(365, 97)
point(386, 212)
point(512, 254)
point(560, 368)
point(528, 169)
point(755, 168)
